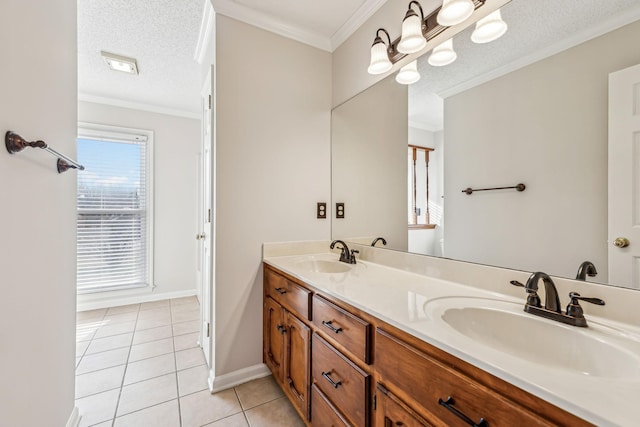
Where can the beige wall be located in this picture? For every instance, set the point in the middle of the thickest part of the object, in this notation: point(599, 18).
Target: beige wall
point(544, 125)
point(273, 101)
point(37, 253)
point(176, 147)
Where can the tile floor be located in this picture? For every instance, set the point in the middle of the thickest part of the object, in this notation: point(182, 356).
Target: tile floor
point(140, 365)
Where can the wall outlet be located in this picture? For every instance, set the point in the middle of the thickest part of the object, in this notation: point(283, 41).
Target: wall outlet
point(322, 210)
point(339, 210)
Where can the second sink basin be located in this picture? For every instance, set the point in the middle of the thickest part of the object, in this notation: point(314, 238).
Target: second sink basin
point(503, 326)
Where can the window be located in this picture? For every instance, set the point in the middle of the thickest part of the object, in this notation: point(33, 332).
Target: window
point(114, 210)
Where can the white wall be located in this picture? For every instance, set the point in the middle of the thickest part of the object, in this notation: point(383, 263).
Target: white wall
point(272, 155)
point(176, 144)
point(544, 125)
point(369, 165)
point(37, 253)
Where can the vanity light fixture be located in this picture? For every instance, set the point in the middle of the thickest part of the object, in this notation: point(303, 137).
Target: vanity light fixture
point(454, 12)
point(443, 54)
point(120, 63)
point(489, 28)
point(408, 74)
point(380, 54)
point(413, 28)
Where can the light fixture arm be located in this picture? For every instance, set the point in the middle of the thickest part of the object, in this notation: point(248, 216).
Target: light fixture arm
point(378, 39)
point(422, 20)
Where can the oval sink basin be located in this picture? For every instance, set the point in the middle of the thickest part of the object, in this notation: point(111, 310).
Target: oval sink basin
point(504, 327)
point(323, 266)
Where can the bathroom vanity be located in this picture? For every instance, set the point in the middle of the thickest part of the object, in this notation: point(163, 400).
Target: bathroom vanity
point(372, 345)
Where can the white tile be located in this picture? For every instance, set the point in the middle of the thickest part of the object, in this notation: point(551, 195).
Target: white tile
point(193, 379)
point(185, 316)
point(257, 392)
point(123, 309)
point(87, 331)
point(147, 393)
point(149, 368)
point(183, 342)
point(91, 314)
point(97, 408)
point(153, 323)
point(115, 329)
point(200, 408)
point(148, 335)
point(106, 359)
point(184, 300)
point(155, 304)
point(182, 308)
point(150, 349)
point(99, 345)
point(110, 319)
point(81, 347)
point(99, 381)
point(156, 313)
point(237, 420)
point(186, 327)
point(163, 415)
point(189, 358)
point(278, 412)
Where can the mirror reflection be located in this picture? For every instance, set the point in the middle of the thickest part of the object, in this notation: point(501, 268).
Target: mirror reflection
point(532, 107)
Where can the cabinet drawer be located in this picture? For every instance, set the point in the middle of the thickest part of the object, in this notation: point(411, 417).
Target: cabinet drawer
point(290, 295)
point(345, 385)
point(346, 329)
point(323, 413)
point(391, 411)
point(429, 382)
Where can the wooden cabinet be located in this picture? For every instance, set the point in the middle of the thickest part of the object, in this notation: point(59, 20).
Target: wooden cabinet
point(340, 366)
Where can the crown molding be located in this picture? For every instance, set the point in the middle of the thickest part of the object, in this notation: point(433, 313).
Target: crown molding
point(137, 106)
point(269, 23)
point(580, 37)
point(206, 31)
point(364, 12)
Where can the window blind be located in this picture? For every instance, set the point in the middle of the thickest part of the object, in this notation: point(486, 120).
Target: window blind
point(112, 227)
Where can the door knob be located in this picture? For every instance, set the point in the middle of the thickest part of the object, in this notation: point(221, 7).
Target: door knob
point(201, 236)
point(621, 242)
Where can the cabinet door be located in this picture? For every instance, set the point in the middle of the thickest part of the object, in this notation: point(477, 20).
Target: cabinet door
point(296, 362)
point(392, 412)
point(274, 331)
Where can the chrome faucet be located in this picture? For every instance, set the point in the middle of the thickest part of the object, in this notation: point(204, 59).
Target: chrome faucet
point(551, 310)
point(345, 255)
point(381, 239)
point(586, 269)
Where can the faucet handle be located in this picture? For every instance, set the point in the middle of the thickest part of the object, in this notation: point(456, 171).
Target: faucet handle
point(532, 298)
point(574, 309)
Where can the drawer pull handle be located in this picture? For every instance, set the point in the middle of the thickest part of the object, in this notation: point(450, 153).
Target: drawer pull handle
point(329, 325)
point(328, 378)
point(449, 405)
point(281, 291)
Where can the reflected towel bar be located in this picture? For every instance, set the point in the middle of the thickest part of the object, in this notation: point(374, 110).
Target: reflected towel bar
point(519, 187)
point(15, 143)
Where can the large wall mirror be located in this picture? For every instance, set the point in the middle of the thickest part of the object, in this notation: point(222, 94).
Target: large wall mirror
point(488, 120)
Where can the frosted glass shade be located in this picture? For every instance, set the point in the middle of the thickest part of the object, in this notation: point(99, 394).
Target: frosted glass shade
point(412, 39)
point(489, 28)
point(454, 12)
point(408, 74)
point(380, 62)
point(443, 54)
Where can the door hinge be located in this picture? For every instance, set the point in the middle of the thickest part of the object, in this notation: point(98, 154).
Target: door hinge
point(208, 330)
point(209, 215)
point(375, 402)
point(209, 102)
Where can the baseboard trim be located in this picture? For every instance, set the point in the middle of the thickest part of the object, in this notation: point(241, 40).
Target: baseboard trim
point(74, 418)
point(223, 382)
point(135, 299)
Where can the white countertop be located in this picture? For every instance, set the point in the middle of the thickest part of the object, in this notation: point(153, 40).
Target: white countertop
point(401, 298)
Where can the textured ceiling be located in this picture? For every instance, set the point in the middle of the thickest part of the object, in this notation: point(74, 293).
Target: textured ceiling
point(535, 27)
point(162, 36)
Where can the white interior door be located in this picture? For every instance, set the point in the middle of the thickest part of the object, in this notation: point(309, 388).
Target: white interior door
point(205, 235)
point(624, 177)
